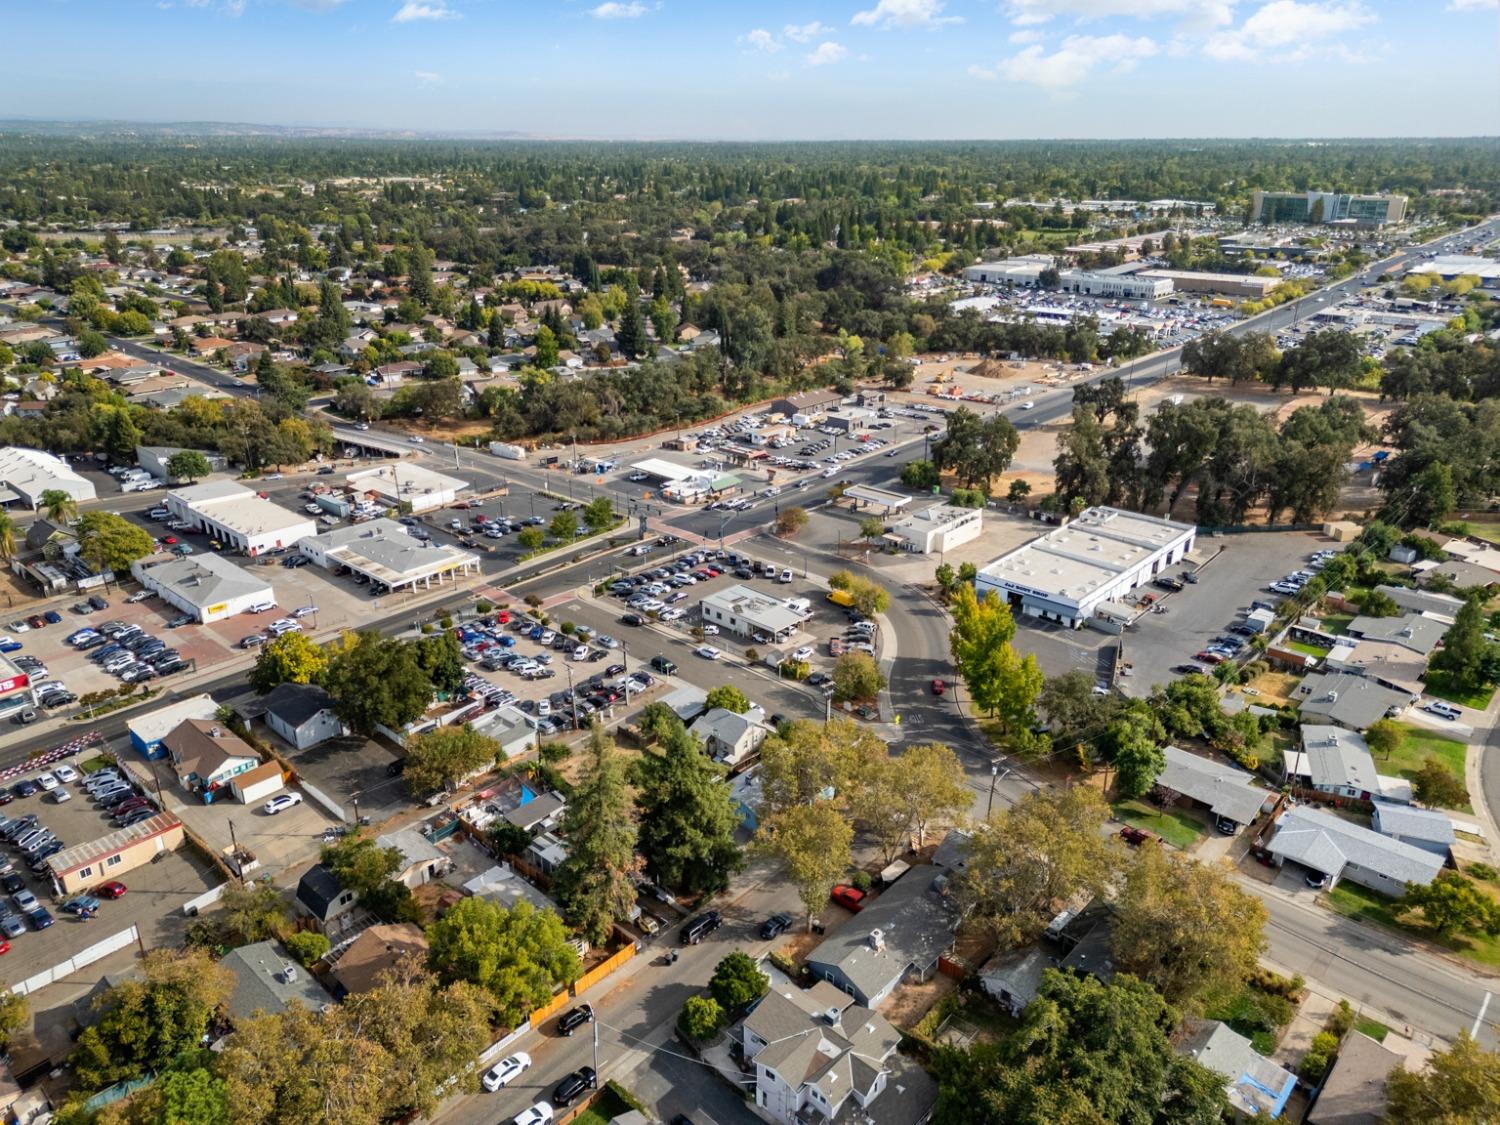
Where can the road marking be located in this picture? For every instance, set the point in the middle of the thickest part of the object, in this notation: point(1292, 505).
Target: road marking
point(1479, 1019)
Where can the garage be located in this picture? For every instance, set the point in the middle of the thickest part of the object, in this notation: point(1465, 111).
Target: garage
point(257, 784)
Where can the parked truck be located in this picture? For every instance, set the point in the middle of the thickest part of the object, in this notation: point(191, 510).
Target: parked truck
point(510, 452)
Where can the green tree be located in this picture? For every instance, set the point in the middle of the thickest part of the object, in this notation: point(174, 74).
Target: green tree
point(701, 1017)
point(520, 955)
point(872, 527)
point(811, 842)
point(564, 527)
point(442, 658)
point(1001, 682)
point(1072, 706)
point(976, 449)
point(856, 676)
point(728, 697)
point(594, 883)
point(1453, 903)
point(1384, 736)
point(308, 946)
point(599, 513)
point(111, 542)
point(144, 1024)
point(7, 536)
point(376, 682)
point(1047, 848)
point(92, 343)
point(531, 538)
point(933, 787)
point(688, 818)
point(15, 1011)
point(1459, 1086)
point(790, 521)
point(631, 334)
point(1377, 603)
point(921, 475)
point(58, 506)
point(292, 658)
point(188, 465)
point(1133, 742)
point(1436, 786)
point(1464, 650)
point(737, 982)
point(252, 913)
point(444, 756)
point(546, 348)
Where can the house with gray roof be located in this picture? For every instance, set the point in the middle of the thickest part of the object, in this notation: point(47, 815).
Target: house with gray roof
point(1227, 791)
point(1411, 630)
point(302, 714)
point(1428, 829)
point(902, 932)
point(1348, 700)
point(268, 979)
point(1354, 1093)
point(1336, 761)
point(1337, 849)
point(421, 860)
point(730, 737)
point(1014, 977)
point(1253, 1082)
point(1442, 606)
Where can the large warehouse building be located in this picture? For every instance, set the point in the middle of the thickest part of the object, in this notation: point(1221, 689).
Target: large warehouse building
point(1101, 556)
point(401, 481)
point(27, 473)
point(239, 518)
point(1229, 284)
point(383, 552)
point(208, 587)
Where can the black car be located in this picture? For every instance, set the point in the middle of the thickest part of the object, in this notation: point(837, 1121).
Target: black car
point(775, 926)
point(574, 1085)
point(632, 619)
point(574, 1018)
point(12, 883)
point(700, 927)
point(97, 603)
point(24, 788)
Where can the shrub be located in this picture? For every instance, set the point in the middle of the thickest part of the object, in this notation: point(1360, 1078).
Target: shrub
point(752, 655)
point(446, 621)
point(862, 880)
point(567, 628)
point(482, 606)
point(1483, 871)
point(1340, 1020)
point(1319, 1055)
point(701, 1018)
point(429, 629)
point(784, 963)
point(737, 981)
point(307, 946)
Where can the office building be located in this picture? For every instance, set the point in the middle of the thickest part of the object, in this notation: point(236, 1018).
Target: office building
point(208, 587)
point(406, 483)
point(938, 528)
point(1326, 207)
point(751, 614)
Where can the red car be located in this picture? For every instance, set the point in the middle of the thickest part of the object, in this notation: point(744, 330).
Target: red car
point(4, 945)
point(169, 540)
point(1135, 836)
point(503, 617)
point(113, 889)
point(938, 687)
point(850, 898)
point(1209, 658)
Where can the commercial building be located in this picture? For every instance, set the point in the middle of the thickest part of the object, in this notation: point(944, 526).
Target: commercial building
point(86, 865)
point(383, 552)
point(154, 458)
point(1099, 557)
point(238, 517)
point(1023, 270)
point(208, 587)
point(749, 613)
point(806, 404)
point(27, 473)
point(402, 482)
point(1450, 266)
point(148, 730)
point(1326, 207)
point(1102, 283)
point(1226, 284)
point(938, 528)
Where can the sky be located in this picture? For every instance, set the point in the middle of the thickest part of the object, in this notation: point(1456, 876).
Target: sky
point(770, 70)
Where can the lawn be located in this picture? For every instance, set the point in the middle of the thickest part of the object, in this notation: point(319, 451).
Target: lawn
point(606, 1106)
point(1173, 826)
point(1257, 1015)
point(1373, 1028)
point(1439, 684)
point(1417, 745)
point(1354, 901)
point(1483, 529)
point(1336, 623)
point(1307, 649)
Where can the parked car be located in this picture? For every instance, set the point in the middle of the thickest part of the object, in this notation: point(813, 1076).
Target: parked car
point(850, 898)
point(541, 1113)
point(775, 926)
point(1135, 836)
point(574, 1085)
point(574, 1018)
point(281, 802)
point(700, 927)
point(506, 1071)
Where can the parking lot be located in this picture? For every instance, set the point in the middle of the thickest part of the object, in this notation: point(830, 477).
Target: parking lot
point(352, 771)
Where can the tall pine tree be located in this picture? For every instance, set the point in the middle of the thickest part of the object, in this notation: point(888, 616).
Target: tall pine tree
point(593, 884)
point(688, 817)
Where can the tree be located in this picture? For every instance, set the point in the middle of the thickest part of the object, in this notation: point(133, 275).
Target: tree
point(807, 762)
point(1185, 927)
point(933, 787)
point(1018, 491)
point(728, 697)
point(1133, 742)
point(631, 335)
point(92, 343)
point(110, 542)
point(442, 658)
point(872, 527)
point(252, 913)
point(442, 757)
point(1073, 706)
point(1384, 736)
point(308, 946)
point(921, 475)
point(564, 527)
point(310, 1067)
point(790, 521)
point(976, 449)
point(531, 538)
point(7, 536)
point(15, 1011)
point(1000, 681)
point(688, 818)
point(188, 465)
point(520, 955)
point(145, 1024)
point(1453, 903)
point(737, 982)
point(811, 842)
point(593, 884)
point(870, 597)
point(599, 513)
point(701, 1018)
point(1458, 1086)
point(1464, 649)
point(1047, 848)
point(1377, 603)
point(1085, 1052)
point(59, 506)
point(292, 658)
point(376, 682)
point(1435, 786)
point(546, 348)
point(856, 676)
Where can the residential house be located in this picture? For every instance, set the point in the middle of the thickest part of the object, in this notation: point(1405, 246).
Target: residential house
point(901, 933)
point(205, 754)
point(279, 316)
point(1254, 1083)
point(421, 860)
point(1331, 848)
point(1462, 575)
point(321, 898)
point(52, 540)
point(1354, 1093)
point(729, 737)
point(1412, 630)
point(1348, 700)
point(268, 979)
point(358, 966)
point(1335, 761)
point(820, 1057)
point(1442, 606)
point(1226, 791)
point(1393, 665)
point(546, 853)
point(243, 356)
point(1013, 978)
point(1428, 829)
point(303, 715)
point(208, 345)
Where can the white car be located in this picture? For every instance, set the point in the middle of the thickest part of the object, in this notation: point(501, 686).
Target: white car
point(304, 611)
point(504, 1072)
point(708, 652)
point(283, 625)
point(281, 802)
point(140, 596)
point(1028, 405)
point(47, 782)
point(65, 773)
point(710, 630)
point(672, 613)
point(416, 440)
point(539, 1114)
point(803, 654)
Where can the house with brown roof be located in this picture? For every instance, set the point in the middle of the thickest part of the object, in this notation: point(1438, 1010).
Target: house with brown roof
point(207, 345)
point(205, 754)
point(376, 950)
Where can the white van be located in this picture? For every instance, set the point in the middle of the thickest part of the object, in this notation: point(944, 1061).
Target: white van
point(261, 607)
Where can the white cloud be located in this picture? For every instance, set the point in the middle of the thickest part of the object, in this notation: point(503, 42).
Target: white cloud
point(1073, 61)
point(613, 10)
point(414, 11)
point(1199, 14)
point(1021, 38)
point(761, 40)
point(1473, 5)
point(805, 32)
point(1288, 29)
point(826, 53)
point(984, 74)
point(426, 77)
point(904, 13)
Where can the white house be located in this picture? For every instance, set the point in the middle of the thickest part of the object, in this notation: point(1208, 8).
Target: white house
point(303, 715)
point(938, 528)
point(730, 737)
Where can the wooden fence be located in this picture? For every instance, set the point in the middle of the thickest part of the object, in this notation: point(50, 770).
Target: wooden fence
point(603, 969)
point(556, 1004)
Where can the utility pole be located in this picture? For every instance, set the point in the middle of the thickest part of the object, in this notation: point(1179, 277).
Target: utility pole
point(595, 1022)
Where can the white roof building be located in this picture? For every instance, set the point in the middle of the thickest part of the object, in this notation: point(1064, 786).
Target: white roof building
point(940, 527)
point(233, 514)
point(1340, 849)
point(208, 586)
point(383, 552)
point(749, 613)
point(147, 731)
point(28, 473)
point(403, 482)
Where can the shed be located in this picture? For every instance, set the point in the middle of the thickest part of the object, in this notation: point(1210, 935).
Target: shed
point(257, 784)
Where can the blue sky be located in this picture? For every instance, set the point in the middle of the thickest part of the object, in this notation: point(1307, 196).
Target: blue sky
point(735, 70)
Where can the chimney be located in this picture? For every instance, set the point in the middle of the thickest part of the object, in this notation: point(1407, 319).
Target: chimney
point(877, 941)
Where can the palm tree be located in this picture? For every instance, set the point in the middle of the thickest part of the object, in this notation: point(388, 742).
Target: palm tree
point(59, 506)
point(7, 537)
